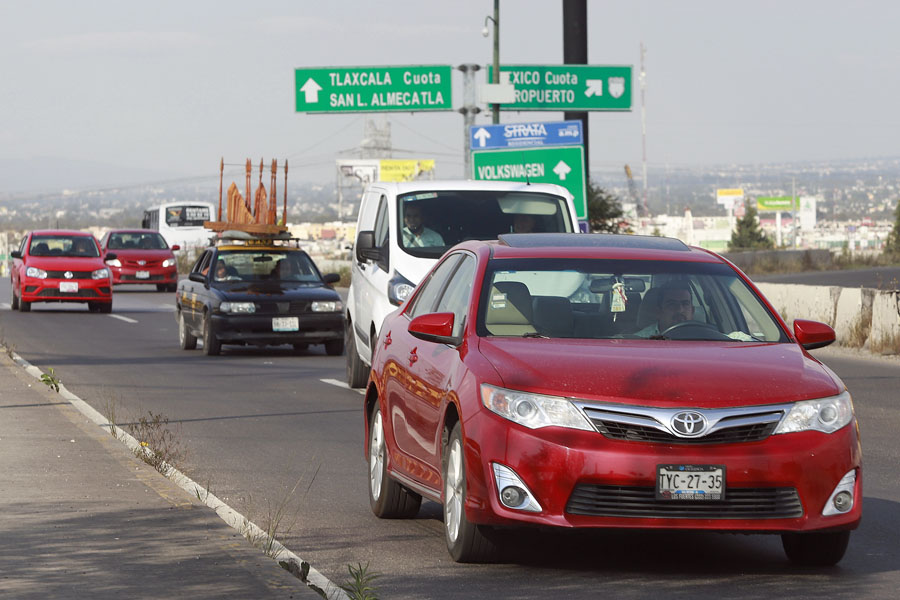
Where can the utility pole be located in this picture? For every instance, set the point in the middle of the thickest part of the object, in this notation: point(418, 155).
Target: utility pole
point(468, 110)
point(575, 53)
point(495, 108)
point(643, 78)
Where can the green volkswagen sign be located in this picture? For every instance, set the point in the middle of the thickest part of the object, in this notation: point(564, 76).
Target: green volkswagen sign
point(373, 89)
point(568, 87)
point(562, 165)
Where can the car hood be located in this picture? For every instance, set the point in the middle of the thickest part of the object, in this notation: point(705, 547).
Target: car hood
point(661, 373)
point(135, 254)
point(254, 292)
point(65, 263)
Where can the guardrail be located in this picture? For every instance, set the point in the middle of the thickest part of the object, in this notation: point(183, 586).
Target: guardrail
point(861, 317)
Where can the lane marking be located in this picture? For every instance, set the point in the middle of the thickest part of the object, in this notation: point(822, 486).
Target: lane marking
point(121, 318)
point(232, 518)
point(341, 384)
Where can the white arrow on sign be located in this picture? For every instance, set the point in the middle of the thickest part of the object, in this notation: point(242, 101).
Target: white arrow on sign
point(311, 90)
point(482, 136)
point(562, 169)
point(594, 87)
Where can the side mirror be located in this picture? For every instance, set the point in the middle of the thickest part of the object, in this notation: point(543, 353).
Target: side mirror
point(111, 256)
point(434, 327)
point(176, 248)
point(198, 277)
point(15, 254)
point(365, 247)
point(812, 334)
point(330, 278)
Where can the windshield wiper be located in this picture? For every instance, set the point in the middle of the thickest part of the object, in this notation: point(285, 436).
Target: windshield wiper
point(535, 334)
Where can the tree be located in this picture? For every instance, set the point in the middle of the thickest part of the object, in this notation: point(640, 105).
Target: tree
point(892, 245)
point(603, 209)
point(747, 235)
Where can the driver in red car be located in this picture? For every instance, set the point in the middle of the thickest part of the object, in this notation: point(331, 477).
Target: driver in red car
point(675, 304)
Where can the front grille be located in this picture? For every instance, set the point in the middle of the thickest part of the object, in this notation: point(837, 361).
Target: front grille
point(655, 425)
point(81, 293)
point(282, 308)
point(62, 274)
point(633, 501)
point(135, 265)
point(141, 279)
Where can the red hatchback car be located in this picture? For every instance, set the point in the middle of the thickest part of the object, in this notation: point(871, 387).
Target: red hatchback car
point(608, 381)
point(141, 256)
point(60, 266)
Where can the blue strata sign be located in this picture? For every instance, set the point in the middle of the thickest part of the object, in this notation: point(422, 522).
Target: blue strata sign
point(519, 135)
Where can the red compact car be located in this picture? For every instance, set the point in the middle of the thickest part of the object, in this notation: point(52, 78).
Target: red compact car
point(141, 256)
point(600, 381)
point(60, 266)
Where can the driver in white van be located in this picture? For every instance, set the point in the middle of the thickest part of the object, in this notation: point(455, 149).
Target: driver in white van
point(415, 234)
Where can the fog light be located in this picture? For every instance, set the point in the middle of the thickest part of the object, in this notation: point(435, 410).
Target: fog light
point(843, 501)
point(512, 496)
point(513, 491)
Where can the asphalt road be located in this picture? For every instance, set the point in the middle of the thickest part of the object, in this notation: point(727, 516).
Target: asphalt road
point(255, 423)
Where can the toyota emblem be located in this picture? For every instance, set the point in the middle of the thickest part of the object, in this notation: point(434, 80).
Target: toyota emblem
point(689, 423)
point(68, 275)
point(142, 262)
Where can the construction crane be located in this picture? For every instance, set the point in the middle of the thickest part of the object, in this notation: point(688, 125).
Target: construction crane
point(639, 206)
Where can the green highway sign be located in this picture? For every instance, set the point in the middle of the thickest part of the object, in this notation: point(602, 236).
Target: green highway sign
point(776, 203)
point(373, 89)
point(562, 165)
point(568, 87)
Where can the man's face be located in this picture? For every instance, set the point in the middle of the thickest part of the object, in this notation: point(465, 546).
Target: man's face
point(676, 307)
point(412, 216)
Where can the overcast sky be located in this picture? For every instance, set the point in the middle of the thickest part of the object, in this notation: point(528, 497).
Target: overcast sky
point(173, 86)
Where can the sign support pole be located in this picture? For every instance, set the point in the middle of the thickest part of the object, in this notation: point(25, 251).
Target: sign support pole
point(468, 110)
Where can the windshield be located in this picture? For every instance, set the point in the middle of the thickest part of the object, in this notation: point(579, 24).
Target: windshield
point(431, 222)
point(266, 265)
point(136, 241)
point(186, 216)
point(63, 245)
point(607, 299)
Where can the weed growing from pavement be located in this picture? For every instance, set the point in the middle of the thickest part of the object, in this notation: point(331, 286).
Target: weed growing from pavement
point(51, 380)
point(359, 586)
point(158, 446)
point(278, 520)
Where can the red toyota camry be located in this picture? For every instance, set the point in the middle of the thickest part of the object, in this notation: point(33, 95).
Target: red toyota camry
point(598, 381)
point(60, 266)
point(141, 256)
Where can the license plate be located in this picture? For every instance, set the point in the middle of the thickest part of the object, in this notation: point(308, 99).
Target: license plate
point(142, 275)
point(690, 482)
point(68, 286)
point(285, 324)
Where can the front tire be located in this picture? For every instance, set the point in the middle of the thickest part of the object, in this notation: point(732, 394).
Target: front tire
point(24, 306)
point(824, 549)
point(334, 347)
point(388, 499)
point(211, 344)
point(14, 303)
point(467, 542)
point(186, 339)
point(357, 374)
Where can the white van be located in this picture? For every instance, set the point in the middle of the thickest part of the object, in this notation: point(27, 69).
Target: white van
point(404, 228)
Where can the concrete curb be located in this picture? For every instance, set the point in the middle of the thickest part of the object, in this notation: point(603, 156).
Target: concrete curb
point(231, 517)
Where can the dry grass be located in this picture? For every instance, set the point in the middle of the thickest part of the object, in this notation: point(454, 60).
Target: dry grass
point(158, 446)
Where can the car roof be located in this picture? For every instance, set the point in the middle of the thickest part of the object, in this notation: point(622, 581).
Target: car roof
point(259, 247)
point(136, 230)
point(596, 245)
point(61, 232)
point(403, 187)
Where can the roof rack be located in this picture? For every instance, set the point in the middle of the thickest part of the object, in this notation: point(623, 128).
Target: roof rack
point(259, 218)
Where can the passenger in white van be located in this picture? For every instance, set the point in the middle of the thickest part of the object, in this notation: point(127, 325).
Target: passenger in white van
point(415, 234)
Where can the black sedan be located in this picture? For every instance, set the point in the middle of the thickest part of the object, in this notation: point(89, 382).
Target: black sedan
point(260, 294)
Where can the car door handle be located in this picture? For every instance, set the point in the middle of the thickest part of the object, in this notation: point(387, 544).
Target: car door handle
point(413, 356)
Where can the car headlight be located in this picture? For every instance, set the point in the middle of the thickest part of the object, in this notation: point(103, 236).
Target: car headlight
point(327, 306)
point(36, 273)
point(114, 262)
point(100, 274)
point(533, 410)
point(169, 262)
point(238, 307)
point(825, 414)
point(399, 289)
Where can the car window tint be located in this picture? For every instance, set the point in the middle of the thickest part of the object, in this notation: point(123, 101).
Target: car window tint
point(431, 288)
point(456, 296)
point(202, 264)
point(381, 224)
point(64, 245)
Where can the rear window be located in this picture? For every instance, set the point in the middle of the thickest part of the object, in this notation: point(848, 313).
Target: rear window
point(431, 222)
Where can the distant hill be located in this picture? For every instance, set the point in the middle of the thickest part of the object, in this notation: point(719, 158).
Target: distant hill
point(47, 174)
